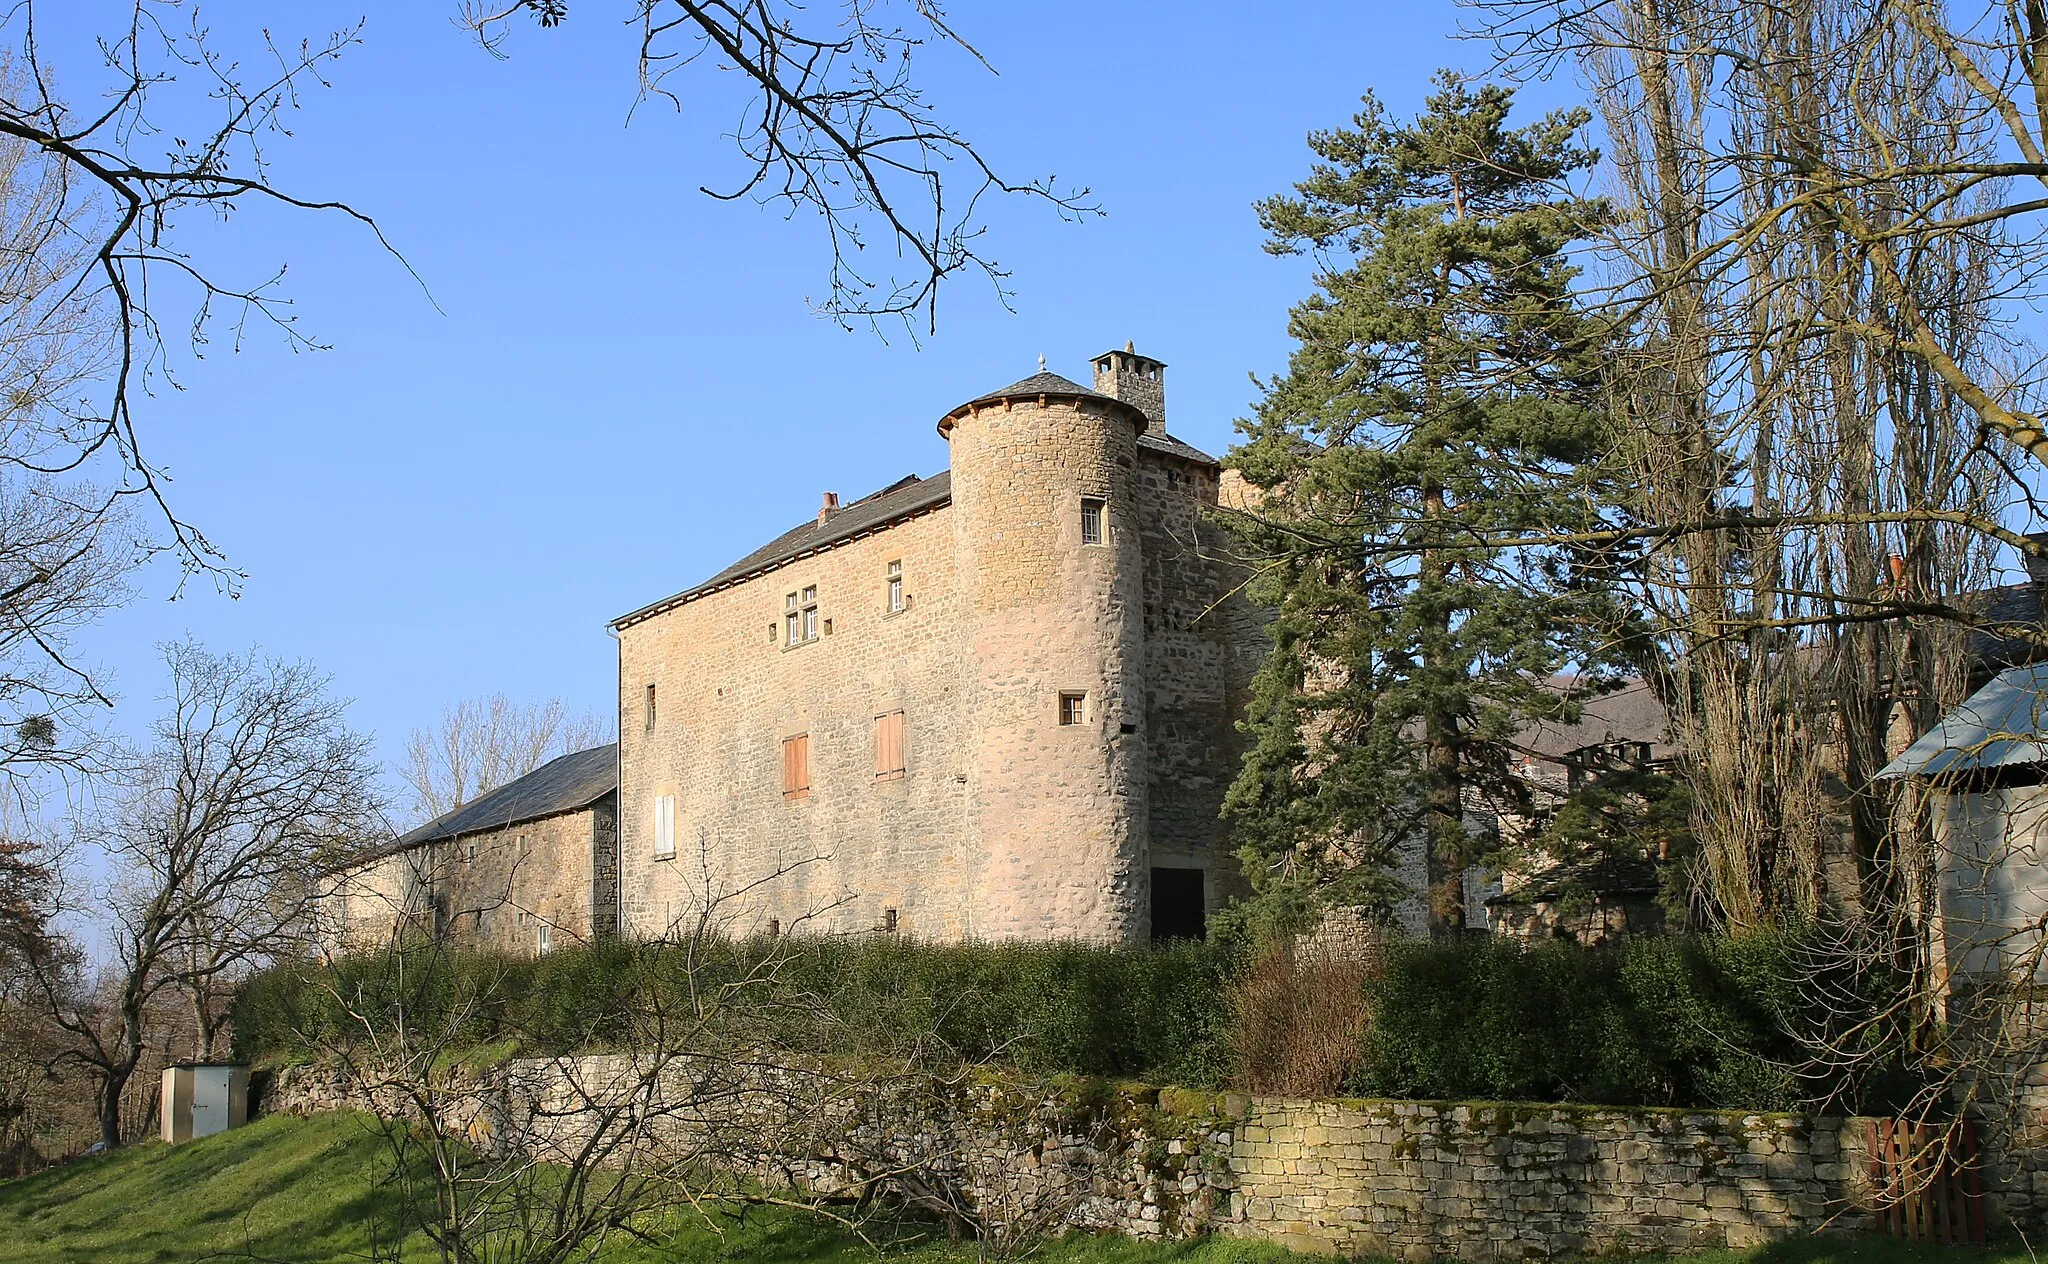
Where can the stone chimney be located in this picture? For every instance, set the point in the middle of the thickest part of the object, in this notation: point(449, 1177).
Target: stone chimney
point(1135, 380)
point(830, 507)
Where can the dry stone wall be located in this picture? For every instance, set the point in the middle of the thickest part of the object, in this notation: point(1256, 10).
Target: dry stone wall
point(1415, 1180)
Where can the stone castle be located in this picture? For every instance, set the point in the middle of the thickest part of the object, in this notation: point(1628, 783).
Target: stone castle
point(993, 703)
point(996, 703)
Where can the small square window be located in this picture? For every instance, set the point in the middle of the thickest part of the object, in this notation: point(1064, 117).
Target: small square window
point(1073, 708)
point(1093, 514)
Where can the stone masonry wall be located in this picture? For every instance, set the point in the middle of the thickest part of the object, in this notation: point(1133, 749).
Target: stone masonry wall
point(1006, 823)
point(1415, 1180)
point(494, 888)
point(1203, 643)
point(1059, 824)
point(729, 690)
point(1484, 1181)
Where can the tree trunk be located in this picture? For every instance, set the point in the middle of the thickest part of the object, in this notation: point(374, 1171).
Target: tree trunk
point(1444, 805)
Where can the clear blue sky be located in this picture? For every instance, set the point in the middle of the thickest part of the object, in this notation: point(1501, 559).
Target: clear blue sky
point(624, 388)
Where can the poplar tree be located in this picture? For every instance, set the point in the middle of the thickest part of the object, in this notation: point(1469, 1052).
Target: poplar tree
point(1434, 442)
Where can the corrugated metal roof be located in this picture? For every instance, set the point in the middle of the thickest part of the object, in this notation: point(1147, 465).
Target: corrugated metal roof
point(2001, 725)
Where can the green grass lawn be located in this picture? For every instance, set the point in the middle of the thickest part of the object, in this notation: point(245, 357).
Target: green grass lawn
point(306, 1190)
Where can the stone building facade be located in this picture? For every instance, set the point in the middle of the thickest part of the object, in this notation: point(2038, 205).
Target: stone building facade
point(993, 703)
point(531, 866)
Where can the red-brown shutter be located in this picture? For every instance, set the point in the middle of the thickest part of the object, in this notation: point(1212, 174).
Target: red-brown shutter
point(796, 766)
point(889, 746)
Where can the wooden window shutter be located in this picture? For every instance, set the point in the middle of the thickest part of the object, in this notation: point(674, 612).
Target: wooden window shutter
point(796, 766)
point(889, 746)
point(665, 826)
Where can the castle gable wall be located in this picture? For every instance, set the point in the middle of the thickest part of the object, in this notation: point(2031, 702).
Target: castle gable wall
point(729, 690)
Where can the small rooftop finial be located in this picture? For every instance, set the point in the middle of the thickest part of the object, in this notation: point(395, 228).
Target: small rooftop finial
point(1131, 345)
point(1041, 362)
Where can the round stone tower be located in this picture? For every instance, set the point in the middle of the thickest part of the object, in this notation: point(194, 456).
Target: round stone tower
point(1050, 572)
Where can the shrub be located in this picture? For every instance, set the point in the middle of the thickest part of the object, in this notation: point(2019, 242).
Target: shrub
point(1654, 1021)
point(1298, 1024)
point(1670, 1022)
point(1051, 1008)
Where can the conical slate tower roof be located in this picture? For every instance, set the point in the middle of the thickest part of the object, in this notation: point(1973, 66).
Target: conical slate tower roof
point(1043, 384)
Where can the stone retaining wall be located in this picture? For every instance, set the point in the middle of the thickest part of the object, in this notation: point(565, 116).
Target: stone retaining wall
point(1407, 1179)
point(1420, 1179)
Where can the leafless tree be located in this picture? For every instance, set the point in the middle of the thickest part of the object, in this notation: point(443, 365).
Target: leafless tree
point(830, 125)
point(164, 126)
point(1834, 223)
point(482, 743)
point(714, 1092)
point(211, 849)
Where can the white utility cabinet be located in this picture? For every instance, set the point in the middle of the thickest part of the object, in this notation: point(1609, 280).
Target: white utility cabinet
point(202, 1098)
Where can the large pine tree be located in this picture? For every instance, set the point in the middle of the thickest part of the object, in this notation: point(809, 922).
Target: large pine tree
point(1442, 402)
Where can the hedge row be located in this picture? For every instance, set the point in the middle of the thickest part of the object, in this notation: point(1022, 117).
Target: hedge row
point(1678, 1022)
point(1136, 1013)
point(1658, 1022)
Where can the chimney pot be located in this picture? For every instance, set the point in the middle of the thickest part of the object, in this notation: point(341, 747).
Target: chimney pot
point(830, 507)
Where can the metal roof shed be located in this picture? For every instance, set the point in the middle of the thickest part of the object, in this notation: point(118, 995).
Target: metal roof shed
point(202, 1098)
point(2002, 725)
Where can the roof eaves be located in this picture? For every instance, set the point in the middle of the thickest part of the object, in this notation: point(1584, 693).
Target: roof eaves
point(1167, 445)
point(779, 561)
point(1041, 387)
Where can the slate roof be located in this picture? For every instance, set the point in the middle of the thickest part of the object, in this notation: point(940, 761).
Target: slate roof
point(1630, 714)
point(904, 498)
point(1041, 383)
point(563, 784)
point(2001, 725)
point(1173, 447)
point(2008, 605)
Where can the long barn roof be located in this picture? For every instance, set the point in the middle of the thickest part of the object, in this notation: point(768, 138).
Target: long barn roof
point(566, 783)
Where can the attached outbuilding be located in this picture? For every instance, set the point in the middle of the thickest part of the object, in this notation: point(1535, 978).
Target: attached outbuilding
point(531, 866)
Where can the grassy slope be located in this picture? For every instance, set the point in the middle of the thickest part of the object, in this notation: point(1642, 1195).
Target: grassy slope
point(305, 1190)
